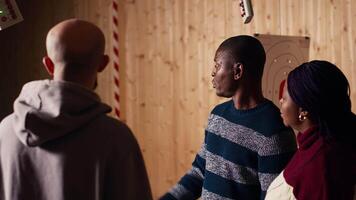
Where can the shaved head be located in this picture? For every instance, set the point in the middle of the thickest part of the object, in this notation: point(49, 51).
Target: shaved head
point(75, 51)
point(75, 42)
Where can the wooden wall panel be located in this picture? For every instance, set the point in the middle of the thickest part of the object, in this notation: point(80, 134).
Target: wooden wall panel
point(166, 56)
point(99, 12)
point(23, 45)
point(169, 47)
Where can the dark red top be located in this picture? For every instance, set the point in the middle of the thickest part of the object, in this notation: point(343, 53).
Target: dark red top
point(321, 169)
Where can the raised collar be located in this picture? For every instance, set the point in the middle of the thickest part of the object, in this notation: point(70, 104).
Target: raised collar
point(307, 138)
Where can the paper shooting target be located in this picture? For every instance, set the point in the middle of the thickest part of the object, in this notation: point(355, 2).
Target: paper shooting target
point(283, 53)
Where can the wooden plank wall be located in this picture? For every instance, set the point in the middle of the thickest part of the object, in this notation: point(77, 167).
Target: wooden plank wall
point(167, 49)
point(23, 45)
point(167, 56)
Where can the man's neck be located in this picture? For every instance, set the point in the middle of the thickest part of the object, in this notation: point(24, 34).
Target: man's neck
point(84, 79)
point(83, 82)
point(248, 98)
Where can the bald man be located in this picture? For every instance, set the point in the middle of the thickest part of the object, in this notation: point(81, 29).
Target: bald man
point(59, 143)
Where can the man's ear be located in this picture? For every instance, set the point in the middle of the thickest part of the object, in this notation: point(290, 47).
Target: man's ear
point(103, 63)
point(238, 70)
point(47, 62)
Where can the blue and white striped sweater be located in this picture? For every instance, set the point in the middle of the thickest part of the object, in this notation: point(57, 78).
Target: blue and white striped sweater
point(243, 151)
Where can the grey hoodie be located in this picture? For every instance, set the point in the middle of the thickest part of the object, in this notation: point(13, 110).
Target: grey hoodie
point(59, 144)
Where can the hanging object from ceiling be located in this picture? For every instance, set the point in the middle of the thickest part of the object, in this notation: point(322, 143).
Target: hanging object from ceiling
point(246, 10)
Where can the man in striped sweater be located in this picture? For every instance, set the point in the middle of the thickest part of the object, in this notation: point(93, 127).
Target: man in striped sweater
point(246, 144)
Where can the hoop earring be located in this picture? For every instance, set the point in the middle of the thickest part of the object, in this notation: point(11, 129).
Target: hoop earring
point(301, 117)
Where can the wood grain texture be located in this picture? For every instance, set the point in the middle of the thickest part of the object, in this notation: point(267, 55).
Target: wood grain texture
point(23, 45)
point(169, 47)
point(166, 56)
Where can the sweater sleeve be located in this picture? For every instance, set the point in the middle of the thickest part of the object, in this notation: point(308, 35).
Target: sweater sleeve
point(273, 155)
point(190, 185)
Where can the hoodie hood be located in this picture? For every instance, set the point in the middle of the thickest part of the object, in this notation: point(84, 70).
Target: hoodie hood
point(47, 109)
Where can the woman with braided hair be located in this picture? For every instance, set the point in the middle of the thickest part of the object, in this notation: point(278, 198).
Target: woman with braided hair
point(317, 105)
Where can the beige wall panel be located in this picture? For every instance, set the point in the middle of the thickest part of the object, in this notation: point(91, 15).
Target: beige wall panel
point(169, 46)
point(99, 12)
point(169, 52)
point(352, 51)
point(23, 45)
point(166, 56)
